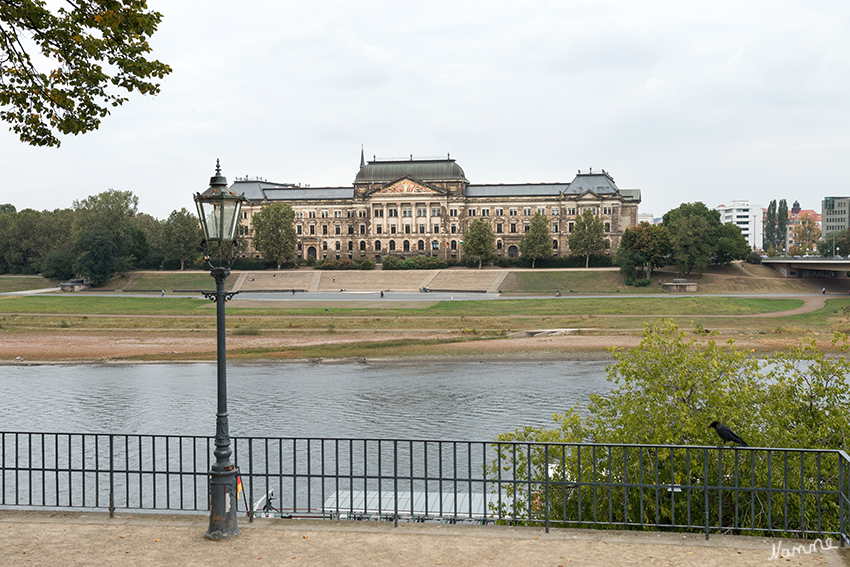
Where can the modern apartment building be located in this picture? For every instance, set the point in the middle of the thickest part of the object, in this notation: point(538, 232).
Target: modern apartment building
point(749, 218)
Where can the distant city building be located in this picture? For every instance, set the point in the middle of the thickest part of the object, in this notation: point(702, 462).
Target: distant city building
point(795, 213)
point(648, 218)
point(410, 207)
point(749, 218)
point(835, 214)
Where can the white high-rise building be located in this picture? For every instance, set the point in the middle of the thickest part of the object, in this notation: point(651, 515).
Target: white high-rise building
point(748, 217)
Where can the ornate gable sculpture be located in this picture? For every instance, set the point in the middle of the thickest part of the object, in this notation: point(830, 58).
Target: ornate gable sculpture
point(405, 186)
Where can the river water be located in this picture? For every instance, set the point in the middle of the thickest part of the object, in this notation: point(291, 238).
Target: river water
point(390, 400)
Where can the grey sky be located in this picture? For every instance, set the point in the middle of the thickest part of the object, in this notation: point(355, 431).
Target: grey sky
point(687, 101)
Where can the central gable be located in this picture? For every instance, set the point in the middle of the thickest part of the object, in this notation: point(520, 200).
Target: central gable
point(405, 186)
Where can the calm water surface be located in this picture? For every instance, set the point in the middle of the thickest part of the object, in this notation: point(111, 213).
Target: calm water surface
point(416, 400)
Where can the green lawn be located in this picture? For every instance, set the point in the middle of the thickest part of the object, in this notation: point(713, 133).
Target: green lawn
point(24, 283)
point(175, 280)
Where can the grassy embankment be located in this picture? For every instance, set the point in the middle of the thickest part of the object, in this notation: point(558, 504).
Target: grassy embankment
point(454, 321)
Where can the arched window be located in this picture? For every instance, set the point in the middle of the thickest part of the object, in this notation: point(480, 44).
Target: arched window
point(337, 245)
point(454, 244)
point(420, 245)
point(350, 245)
point(377, 245)
point(300, 247)
point(363, 245)
point(325, 245)
point(392, 244)
point(555, 244)
point(498, 245)
point(407, 246)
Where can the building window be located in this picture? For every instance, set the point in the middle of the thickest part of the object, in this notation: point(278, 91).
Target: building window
point(363, 229)
point(377, 245)
point(311, 214)
point(526, 226)
point(313, 229)
point(554, 227)
point(607, 210)
point(498, 228)
point(499, 212)
point(452, 212)
point(379, 213)
point(420, 245)
point(541, 210)
point(556, 211)
point(554, 244)
point(454, 229)
point(470, 212)
point(299, 214)
point(436, 211)
point(298, 229)
point(421, 212)
point(362, 213)
point(485, 212)
point(571, 210)
point(513, 227)
point(512, 212)
point(526, 211)
point(498, 245)
point(407, 212)
point(337, 214)
point(351, 229)
point(378, 230)
point(324, 214)
point(300, 247)
point(337, 245)
point(325, 229)
point(325, 245)
point(392, 213)
point(570, 227)
point(350, 246)
point(436, 229)
point(337, 230)
point(407, 229)
point(392, 229)
point(392, 245)
point(421, 229)
point(454, 245)
point(607, 227)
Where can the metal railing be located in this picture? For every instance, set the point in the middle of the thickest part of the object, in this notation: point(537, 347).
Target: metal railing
point(756, 491)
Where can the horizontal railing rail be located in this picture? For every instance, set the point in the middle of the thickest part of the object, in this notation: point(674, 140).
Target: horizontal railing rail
point(757, 491)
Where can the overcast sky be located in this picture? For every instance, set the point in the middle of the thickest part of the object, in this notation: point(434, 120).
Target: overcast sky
point(687, 101)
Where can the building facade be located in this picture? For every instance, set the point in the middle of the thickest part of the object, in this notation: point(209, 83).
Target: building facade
point(835, 214)
point(413, 207)
point(749, 218)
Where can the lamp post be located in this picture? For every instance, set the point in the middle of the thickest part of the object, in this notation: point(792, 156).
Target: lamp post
point(218, 210)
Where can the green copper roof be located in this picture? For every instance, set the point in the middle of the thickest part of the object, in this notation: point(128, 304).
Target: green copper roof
point(422, 169)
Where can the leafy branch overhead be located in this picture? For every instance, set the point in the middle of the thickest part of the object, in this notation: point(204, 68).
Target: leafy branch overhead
point(62, 69)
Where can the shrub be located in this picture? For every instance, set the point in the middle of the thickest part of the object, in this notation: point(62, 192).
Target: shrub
point(754, 258)
point(365, 264)
point(391, 263)
point(642, 283)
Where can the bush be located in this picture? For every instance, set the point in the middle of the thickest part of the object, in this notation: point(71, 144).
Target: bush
point(257, 264)
point(754, 258)
point(641, 283)
point(391, 263)
point(365, 264)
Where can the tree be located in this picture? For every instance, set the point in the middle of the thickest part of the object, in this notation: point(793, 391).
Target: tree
point(479, 241)
point(587, 237)
point(732, 245)
point(89, 55)
point(181, 237)
point(114, 212)
point(770, 226)
point(646, 245)
point(782, 225)
point(691, 243)
point(96, 256)
point(837, 242)
point(274, 233)
point(666, 392)
point(536, 243)
point(806, 233)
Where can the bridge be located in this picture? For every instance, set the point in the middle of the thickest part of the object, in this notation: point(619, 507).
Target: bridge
point(810, 267)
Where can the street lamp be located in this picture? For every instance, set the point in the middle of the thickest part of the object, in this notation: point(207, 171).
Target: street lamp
point(218, 210)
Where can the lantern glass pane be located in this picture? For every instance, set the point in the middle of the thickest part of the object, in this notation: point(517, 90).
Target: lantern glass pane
point(229, 218)
point(212, 220)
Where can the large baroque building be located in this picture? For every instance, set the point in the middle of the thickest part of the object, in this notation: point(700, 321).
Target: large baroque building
point(415, 207)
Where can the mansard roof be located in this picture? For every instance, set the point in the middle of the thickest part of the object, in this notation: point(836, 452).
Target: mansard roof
point(517, 190)
point(427, 170)
point(258, 190)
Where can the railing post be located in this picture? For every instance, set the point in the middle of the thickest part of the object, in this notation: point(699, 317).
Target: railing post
point(546, 483)
point(705, 489)
point(841, 497)
point(111, 475)
point(251, 480)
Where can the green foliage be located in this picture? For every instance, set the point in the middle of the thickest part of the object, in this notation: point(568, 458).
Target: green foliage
point(770, 226)
point(417, 263)
point(366, 264)
point(479, 241)
point(781, 225)
point(753, 257)
point(806, 233)
point(58, 264)
point(666, 392)
point(390, 263)
point(642, 248)
point(536, 243)
point(96, 256)
point(181, 237)
point(274, 233)
point(731, 245)
point(90, 49)
point(587, 237)
point(837, 242)
point(691, 242)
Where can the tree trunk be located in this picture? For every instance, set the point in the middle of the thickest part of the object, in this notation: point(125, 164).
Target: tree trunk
point(479, 262)
point(587, 260)
point(181, 264)
point(533, 260)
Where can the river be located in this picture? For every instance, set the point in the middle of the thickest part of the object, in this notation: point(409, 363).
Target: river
point(400, 400)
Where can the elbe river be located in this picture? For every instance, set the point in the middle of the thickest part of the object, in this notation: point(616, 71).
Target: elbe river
point(388, 400)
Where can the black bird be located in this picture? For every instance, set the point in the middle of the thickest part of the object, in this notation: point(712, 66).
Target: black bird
point(727, 434)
